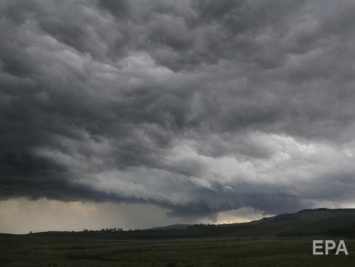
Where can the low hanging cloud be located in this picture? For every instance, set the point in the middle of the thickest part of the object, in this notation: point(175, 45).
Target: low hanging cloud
point(194, 106)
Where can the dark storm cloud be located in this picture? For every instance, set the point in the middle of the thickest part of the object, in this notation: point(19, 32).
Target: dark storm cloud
point(198, 106)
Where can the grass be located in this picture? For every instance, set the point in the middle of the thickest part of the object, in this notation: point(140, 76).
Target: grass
point(89, 252)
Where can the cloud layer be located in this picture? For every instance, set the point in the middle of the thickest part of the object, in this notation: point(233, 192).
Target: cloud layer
point(194, 106)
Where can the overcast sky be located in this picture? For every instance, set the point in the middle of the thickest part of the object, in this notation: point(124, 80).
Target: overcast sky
point(141, 113)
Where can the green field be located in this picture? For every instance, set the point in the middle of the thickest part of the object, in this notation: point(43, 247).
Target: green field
point(34, 250)
point(283, 240)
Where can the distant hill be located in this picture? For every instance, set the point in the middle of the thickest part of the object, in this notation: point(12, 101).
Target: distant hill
point(171, 227)
point(305, 223)
point(314, 222)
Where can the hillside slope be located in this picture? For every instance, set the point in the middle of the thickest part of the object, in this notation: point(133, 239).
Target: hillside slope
point(303, 223)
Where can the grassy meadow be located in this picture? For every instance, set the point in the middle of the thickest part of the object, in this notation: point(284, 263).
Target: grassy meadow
point(42, 251)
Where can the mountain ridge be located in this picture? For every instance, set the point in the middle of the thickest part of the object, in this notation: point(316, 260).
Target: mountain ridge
point(304, 223)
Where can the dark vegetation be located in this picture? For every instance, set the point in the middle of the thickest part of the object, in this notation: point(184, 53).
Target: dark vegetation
point(284, 240)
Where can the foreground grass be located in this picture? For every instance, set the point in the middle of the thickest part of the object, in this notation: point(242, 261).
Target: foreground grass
point(59, 252)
